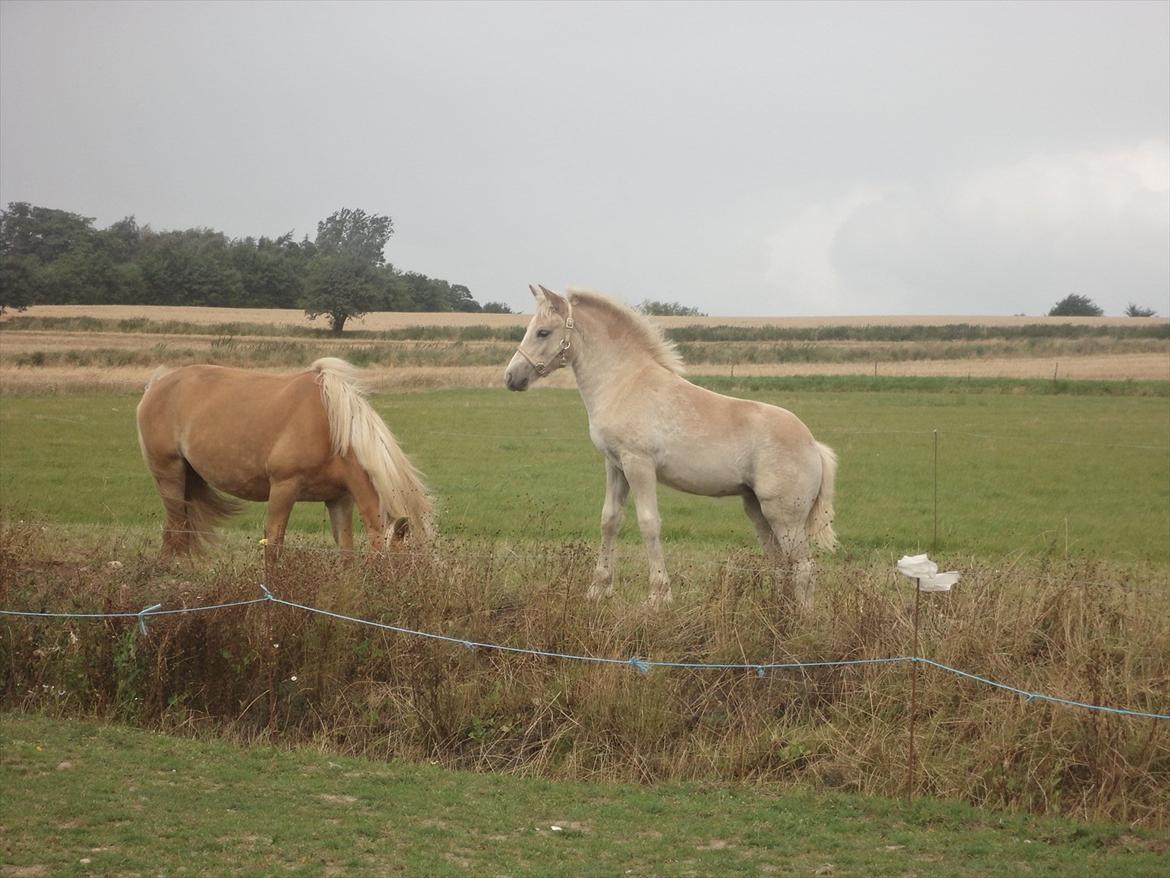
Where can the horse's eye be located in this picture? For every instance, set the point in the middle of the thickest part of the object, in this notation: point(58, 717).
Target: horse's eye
point(542, 333)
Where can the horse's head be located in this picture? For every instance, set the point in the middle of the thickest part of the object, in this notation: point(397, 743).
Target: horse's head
point(546, 344)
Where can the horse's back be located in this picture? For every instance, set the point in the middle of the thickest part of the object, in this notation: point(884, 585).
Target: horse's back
point(230, 424)
point(235, 400)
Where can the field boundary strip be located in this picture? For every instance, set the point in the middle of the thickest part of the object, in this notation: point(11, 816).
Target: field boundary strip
point(638, 663)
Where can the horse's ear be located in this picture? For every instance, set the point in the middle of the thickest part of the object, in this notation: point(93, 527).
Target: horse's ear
point(557, 303)
point(536, 294)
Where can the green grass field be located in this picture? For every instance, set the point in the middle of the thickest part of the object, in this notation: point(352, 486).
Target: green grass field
point(1018, 474)
point(85, 799)
point(1024, 480)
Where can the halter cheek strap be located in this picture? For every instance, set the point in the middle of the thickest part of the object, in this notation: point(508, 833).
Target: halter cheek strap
point(543, 369)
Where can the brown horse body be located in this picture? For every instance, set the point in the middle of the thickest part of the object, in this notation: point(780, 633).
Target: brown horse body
point(310, 436)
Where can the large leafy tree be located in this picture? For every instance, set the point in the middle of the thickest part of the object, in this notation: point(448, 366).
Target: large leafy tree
point(41, 255)
point(271, 270)
point(19, 282)
point(42, 232)
point(1075, 305)
point(55, 256)
point(461, 299)
point(193, 267)
point(344, 278)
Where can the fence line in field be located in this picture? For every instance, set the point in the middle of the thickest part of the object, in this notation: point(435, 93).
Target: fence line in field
point(638, 663)
point(849, 431)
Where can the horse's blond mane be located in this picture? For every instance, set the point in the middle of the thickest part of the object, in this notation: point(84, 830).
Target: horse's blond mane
point(355, 428)
point(645, 333)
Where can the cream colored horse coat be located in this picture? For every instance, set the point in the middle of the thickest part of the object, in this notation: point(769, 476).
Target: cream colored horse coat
point(652, 425)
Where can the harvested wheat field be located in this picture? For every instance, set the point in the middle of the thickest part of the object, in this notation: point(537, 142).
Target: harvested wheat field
point(384, 320)
point(381, 379)
point(115, 348)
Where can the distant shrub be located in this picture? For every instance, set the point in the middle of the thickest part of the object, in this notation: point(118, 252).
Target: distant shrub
point(668, 309)
point(1075, 305)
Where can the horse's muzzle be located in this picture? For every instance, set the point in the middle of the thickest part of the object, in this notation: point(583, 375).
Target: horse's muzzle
point(514, 382)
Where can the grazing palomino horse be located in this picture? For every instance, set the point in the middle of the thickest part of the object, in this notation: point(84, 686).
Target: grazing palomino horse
point(652, 425)
point(280, 438)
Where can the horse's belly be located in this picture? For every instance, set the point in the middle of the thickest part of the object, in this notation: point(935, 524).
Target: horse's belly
point(258, 487)
point(255, 489)
point(717, 481)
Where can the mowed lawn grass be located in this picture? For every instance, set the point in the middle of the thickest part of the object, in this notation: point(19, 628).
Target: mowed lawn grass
point(82, 798)
point(1017, 473)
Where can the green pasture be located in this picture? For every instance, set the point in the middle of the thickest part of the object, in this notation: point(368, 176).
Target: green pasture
point(85, 799)
point(1017, 474)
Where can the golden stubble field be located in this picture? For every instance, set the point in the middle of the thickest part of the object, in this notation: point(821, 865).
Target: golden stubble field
point(1152, 363)
point(384, 320)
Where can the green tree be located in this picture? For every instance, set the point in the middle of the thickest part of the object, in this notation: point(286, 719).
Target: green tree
point(42, 232)
point(123, 240)
point(668, 309)
point(496, 308)
point(192, 267)
point(461, 299)
point(343, 278)
point(1075, 305)
point(272, 271)
point(119, 247)
point(416, 293)
point(47, 255)
point(1139, 311)
point(19, 282)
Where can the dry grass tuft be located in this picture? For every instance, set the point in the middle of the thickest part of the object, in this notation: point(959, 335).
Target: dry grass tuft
point(1080, 631)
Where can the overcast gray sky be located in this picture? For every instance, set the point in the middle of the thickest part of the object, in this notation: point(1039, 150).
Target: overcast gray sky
point(778, 159)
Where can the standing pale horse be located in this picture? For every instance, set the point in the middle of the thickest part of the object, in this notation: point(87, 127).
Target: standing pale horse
point(280, 438)
point(652, 425)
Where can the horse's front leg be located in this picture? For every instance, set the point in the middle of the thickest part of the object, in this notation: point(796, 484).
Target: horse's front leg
point(281, 497)
point(341, 521)
point(612, 512)
point(643, 481)
point(363, 493)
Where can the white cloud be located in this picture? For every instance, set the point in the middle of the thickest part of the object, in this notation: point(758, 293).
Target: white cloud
point(800, 270)
point(1010, 238)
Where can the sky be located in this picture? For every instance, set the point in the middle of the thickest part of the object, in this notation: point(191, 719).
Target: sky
point(741, 158)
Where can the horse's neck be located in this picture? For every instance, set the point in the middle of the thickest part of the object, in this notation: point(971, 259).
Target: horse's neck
point(605, 367)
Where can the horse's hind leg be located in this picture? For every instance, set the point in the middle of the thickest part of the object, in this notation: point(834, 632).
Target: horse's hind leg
point(341, 520)
point(170, 478)
point(768, 541)
point(780, 527)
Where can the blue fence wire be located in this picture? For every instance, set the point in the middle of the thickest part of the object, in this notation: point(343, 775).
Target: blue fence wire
point(638, 663)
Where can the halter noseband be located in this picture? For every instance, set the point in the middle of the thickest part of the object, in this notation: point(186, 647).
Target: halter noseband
point(542, 369)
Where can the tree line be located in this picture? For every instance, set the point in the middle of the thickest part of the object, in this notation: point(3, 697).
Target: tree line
point(50, 256)
point(1078, 305)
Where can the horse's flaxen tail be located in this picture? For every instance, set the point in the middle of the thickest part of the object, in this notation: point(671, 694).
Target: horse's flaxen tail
point(355, 428)
point(207, 508)
point(819, 525)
